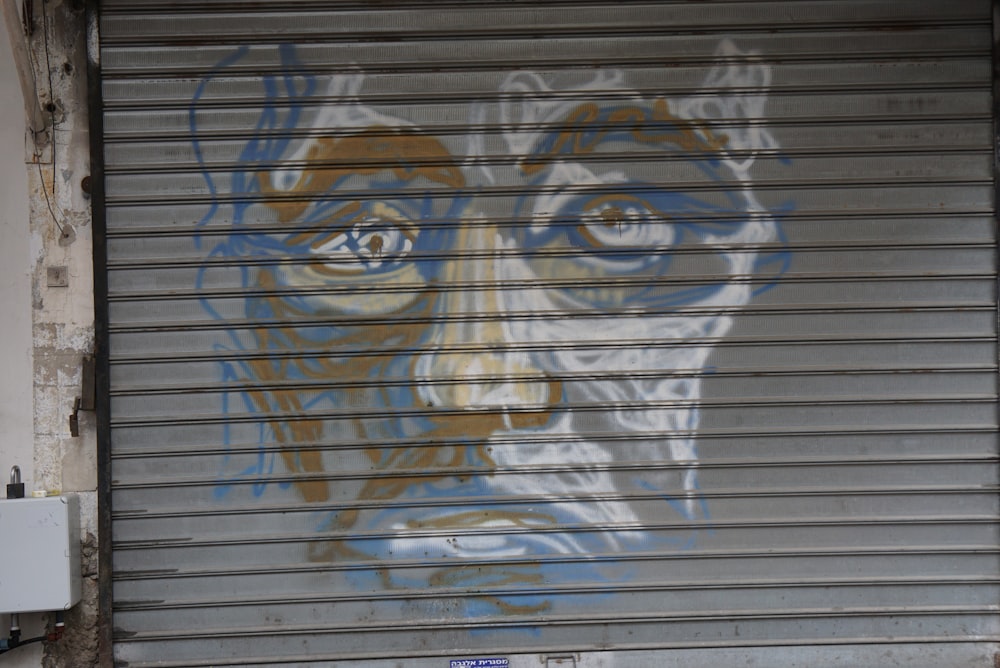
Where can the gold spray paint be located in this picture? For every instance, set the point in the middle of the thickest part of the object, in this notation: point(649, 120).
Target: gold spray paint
point(687, 134)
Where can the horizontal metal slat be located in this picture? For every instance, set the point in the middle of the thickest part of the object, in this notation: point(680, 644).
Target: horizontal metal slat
point(455, 86)
point(756, 442)
point(833, 588)
point(729, 614)
point(494, 20)
point(864, 107)
point(858, 380)
point(861, 650)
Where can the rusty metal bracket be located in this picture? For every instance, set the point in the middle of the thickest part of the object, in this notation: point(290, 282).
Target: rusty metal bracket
point(74, 419)
point(86, 400)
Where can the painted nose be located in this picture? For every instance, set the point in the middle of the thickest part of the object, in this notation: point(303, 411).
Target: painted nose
point(473, 364)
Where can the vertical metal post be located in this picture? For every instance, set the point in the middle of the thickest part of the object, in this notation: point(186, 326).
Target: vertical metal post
point(25, 74)
point(95, 112)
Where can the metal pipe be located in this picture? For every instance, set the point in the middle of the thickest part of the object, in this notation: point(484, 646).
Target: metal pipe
point(25, 73)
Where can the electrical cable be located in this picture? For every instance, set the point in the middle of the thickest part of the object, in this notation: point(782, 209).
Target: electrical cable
point(50, 107)
point(22, 643)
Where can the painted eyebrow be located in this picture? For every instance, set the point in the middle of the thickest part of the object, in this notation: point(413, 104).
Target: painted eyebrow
point(405, 152)
point(589, 124)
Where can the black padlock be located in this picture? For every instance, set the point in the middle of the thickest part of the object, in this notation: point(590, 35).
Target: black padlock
point(15, 489)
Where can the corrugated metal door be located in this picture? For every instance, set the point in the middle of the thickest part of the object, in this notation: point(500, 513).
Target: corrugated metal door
point(540, 332)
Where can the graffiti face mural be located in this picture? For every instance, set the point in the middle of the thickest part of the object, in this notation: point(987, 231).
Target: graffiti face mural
point(501, 331)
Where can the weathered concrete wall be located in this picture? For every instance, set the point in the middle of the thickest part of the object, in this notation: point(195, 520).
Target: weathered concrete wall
point(46, 286)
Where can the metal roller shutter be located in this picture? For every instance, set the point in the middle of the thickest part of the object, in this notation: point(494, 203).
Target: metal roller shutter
point(551, 332)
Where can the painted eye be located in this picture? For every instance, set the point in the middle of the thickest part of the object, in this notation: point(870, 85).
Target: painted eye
point(377, 241)
point(623, 221)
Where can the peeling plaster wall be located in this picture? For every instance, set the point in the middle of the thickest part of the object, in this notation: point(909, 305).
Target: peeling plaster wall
point(48, 328)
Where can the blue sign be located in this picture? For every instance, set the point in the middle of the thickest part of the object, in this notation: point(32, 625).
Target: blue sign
point(479, 663)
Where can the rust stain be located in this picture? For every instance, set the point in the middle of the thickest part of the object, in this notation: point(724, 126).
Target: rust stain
point(486, 575)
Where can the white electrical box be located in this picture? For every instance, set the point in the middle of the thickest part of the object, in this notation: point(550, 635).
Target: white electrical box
point(39, 554)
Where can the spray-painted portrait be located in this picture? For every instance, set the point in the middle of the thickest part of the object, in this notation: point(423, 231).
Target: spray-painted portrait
point(476, 345)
